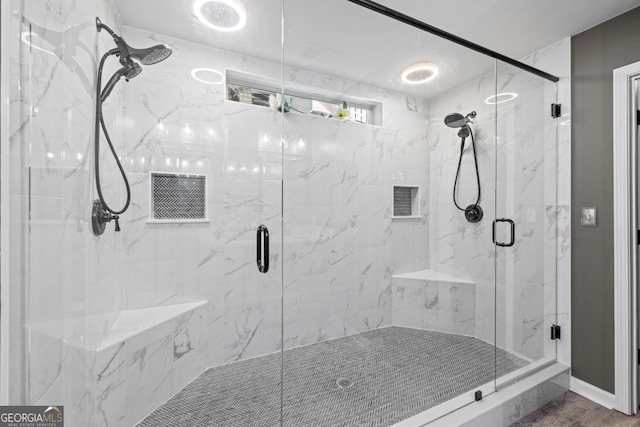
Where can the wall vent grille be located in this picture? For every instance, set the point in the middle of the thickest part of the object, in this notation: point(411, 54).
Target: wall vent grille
point(178, 197)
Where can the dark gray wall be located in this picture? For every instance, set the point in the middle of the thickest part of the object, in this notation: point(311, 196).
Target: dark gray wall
point(595, 53)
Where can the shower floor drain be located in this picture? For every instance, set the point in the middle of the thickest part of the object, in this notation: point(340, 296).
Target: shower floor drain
point(344, 382)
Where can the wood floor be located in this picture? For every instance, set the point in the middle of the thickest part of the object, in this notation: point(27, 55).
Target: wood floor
point(573, 410)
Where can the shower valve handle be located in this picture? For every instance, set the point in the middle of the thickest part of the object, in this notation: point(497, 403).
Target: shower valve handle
point(108, 217)
point(100, 216)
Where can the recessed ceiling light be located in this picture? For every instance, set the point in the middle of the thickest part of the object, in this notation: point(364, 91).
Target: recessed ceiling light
point(421, 72)
point(221, 15)
point(500, 98)
point(207, 76)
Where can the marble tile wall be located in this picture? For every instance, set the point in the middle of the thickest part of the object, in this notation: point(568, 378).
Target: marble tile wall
point(437, 306)
point(337, 254)
point(59, 270)
point(340, 246)
point(339, 177)
point(343, 245)
point(172, 123)
point(457, 247)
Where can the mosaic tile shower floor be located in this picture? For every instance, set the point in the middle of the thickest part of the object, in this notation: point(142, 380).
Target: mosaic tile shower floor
point(395, 373)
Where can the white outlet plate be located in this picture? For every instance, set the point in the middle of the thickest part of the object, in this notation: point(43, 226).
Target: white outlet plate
point(588, 217)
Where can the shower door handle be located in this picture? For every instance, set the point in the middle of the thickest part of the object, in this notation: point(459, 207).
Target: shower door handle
point(262, 248)
point(512, 226)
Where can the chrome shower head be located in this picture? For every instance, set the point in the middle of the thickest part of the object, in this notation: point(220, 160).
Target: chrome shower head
point(130, 58)
point(148, 56)
point(151, 55)
point(132, 71)
point(464, 131)
point(457, 120)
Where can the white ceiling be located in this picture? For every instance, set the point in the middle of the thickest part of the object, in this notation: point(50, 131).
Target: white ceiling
point(340, 38)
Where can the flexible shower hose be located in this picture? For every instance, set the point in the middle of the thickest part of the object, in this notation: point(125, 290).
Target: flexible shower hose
point(475, 159)
point(100, 123)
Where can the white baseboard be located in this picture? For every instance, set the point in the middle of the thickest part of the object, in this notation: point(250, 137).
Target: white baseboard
point(592, 393)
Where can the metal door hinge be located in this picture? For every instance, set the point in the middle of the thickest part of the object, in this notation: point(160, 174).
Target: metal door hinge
point(556, 110)
point(555, 332)
point(637, 117)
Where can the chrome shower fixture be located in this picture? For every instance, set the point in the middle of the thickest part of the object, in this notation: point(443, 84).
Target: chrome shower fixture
point(149, 56)
point(127, 54)
point(457, 120)
point(473, 213)
point(130, 59)
point(128, 73)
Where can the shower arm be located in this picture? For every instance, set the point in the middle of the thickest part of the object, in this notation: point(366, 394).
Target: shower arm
point(121, 50)
point(100, 26)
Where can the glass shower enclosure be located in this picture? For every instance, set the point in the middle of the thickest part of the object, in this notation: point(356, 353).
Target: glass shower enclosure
point(375, 233)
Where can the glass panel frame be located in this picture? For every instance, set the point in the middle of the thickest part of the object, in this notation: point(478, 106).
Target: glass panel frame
point(527, 150)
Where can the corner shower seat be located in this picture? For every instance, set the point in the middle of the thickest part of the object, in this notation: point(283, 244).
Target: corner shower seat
point(429, 299)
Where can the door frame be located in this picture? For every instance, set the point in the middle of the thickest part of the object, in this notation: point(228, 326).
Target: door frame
point(625, 224)
point(5, 14)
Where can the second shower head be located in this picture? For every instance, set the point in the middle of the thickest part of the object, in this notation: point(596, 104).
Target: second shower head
point(457, 120)
point(128, 72)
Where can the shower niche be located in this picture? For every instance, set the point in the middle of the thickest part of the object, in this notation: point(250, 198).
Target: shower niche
point(177, 198)
point(406, 202)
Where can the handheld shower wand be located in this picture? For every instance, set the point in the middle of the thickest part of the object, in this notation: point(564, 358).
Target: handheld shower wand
point(473, 213)
point(129, 57)
point(127, 72)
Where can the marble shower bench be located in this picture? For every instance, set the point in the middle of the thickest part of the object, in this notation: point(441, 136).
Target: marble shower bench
point(429, 299)
point(119, 367)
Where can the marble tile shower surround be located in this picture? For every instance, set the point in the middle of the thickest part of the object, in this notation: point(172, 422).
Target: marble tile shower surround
point(58, 270)
point(74, 277)
point(339, 238)
point(338, 229)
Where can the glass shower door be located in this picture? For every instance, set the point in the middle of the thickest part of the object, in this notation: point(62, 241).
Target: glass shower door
point(388, 289)
point(116, 325)
point(526, 231)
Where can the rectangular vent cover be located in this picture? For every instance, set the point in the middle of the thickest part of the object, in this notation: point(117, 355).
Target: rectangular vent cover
point(402, 201)
point(176, 197)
